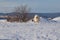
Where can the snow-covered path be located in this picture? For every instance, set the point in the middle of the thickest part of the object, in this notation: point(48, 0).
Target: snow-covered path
point(44, 30)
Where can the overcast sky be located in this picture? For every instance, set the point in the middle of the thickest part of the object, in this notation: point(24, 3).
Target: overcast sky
point(38, 6)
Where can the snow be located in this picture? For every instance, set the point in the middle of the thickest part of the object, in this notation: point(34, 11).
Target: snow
point(44, 30)
point(56, 19)
point(3, 20)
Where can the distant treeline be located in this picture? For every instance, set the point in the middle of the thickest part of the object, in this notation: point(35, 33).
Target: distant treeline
point(46, 15)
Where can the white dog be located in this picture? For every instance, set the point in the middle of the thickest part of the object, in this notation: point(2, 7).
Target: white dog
point(36, 19)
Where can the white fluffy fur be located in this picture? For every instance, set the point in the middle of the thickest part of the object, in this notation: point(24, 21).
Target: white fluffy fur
point(36, 19)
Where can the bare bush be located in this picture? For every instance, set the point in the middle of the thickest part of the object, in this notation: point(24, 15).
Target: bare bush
point(23, 11)
point(12, 19)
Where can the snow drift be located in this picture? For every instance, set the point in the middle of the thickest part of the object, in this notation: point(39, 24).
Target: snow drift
point(56, 19)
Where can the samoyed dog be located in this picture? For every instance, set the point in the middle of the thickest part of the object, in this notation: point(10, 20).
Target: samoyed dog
point(36, 19)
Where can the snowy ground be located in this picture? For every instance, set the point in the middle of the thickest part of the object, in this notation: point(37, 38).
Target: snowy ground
point(56, 19)
point(44, 30)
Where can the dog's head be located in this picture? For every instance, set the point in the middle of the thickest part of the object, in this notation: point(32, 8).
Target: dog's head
point(36, 16)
